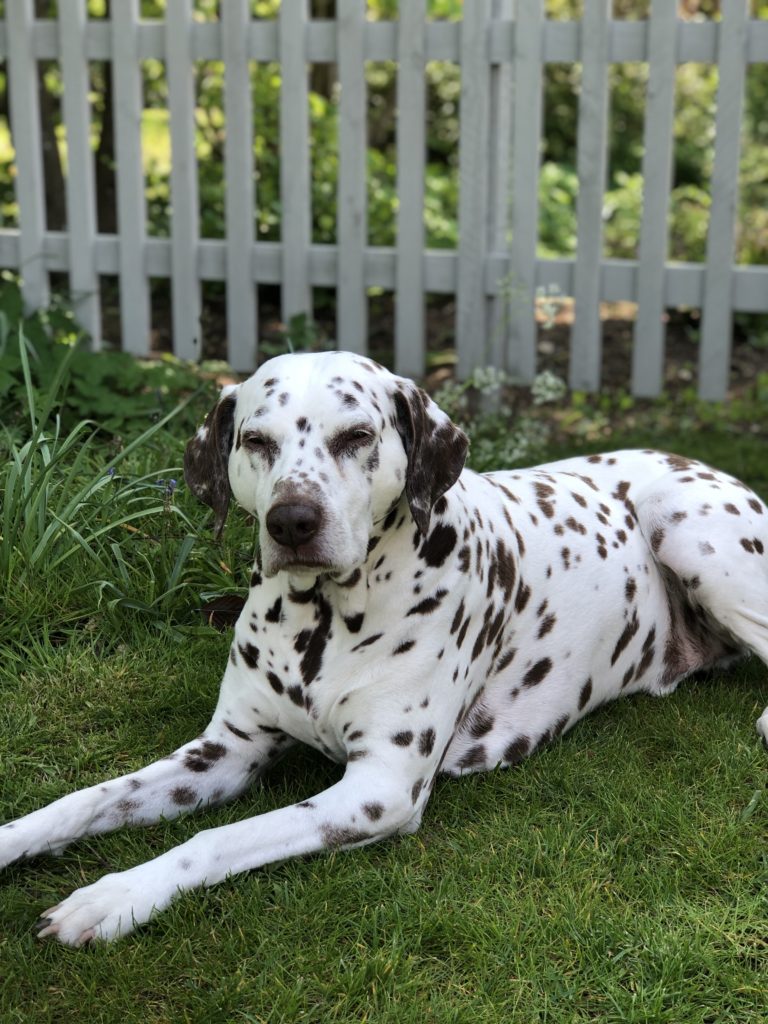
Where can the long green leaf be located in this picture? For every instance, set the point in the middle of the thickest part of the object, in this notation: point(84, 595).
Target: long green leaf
point(185, 549)
point(116, 523)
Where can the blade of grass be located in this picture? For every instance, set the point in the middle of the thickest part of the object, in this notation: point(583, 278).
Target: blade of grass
point(142, 514)
point(185, 549)
point(120, 562)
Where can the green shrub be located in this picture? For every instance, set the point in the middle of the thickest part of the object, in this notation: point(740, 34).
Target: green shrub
point(119, 392)
point(97, 527)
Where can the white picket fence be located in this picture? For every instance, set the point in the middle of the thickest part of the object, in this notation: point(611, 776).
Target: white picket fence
point(502, 47)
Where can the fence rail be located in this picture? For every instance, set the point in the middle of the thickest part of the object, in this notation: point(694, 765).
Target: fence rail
point(502, 47)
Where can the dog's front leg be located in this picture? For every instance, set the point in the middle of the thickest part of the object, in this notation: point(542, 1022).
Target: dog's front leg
point(368, 803)
point(212, 769)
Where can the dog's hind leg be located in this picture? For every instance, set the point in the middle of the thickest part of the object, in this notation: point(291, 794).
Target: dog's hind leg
point(716, 546)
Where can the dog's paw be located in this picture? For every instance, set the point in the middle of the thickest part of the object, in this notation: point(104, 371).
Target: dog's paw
point(109, 909)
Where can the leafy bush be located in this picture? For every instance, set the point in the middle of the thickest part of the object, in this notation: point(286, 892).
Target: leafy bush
point(119, 392)
point(558, 191)
point(99, 527)
point(499, 438)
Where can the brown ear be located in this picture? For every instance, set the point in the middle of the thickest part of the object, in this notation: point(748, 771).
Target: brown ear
point(206, 459)
point(435, 447)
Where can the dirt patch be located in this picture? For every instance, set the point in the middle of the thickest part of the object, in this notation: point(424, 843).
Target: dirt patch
point(749, 353)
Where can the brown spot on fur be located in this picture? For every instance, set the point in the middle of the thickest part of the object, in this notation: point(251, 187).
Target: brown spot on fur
point(334, 836)
point(428, 605)
point(546, 626)
point(237, 732)
point(183, 796)
point(627, 634)
point(505, 660)
point(679, 462)
point(475, 757)
point(403, 739)
point(275, 682)
point(250, 655)
point(537, 672)
point(354, 623)
point(296, 694)
point(517, 750)
point(574, 525)
point(406, 645)
point(523, 594)
point(481, 723)
point(440, 543)
point(586, 693)
point(368, 641)
point(544, 493)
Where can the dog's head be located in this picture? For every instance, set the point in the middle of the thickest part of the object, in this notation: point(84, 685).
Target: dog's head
point(320, 448)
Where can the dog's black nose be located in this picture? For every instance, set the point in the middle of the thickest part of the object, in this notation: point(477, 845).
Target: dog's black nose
point(293, 525)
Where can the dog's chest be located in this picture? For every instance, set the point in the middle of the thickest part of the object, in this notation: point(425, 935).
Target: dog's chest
point(300, 654)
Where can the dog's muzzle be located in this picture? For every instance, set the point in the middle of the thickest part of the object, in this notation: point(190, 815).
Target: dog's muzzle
point(293, 525)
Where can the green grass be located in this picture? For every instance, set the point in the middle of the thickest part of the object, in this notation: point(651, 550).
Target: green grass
point(618, 876)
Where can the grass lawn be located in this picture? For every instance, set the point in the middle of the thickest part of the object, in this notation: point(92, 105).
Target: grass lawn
point(618, 876)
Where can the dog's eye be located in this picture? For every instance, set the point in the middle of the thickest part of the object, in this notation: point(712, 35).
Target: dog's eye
point(347, 442)
point(261, 444)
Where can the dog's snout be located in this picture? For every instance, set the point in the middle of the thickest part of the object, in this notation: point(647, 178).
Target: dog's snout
point(293, 525)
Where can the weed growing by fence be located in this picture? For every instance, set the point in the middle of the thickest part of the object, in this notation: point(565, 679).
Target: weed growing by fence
point(93, 524)
point(116, 391)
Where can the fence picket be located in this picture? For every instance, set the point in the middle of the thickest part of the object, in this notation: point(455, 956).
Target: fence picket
point(410, 342)
point(185, 282)
point(498, 205)
point(80, 190)
point(586, 340)
point(527, 118)
point(352, 196)
point(499, 44)
point(30, 185)
point(471, 326)
point(716, 325)
point(242, 316)
point(131, 205)
point(648, 343)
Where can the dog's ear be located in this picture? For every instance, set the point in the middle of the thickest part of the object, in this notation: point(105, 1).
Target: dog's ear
point(435, 447)
point(206, 458)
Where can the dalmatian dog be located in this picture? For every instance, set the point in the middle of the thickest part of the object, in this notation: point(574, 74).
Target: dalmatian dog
point(407, 616)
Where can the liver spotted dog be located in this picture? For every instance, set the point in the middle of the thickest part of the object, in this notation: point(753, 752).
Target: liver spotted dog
point(407, 616)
